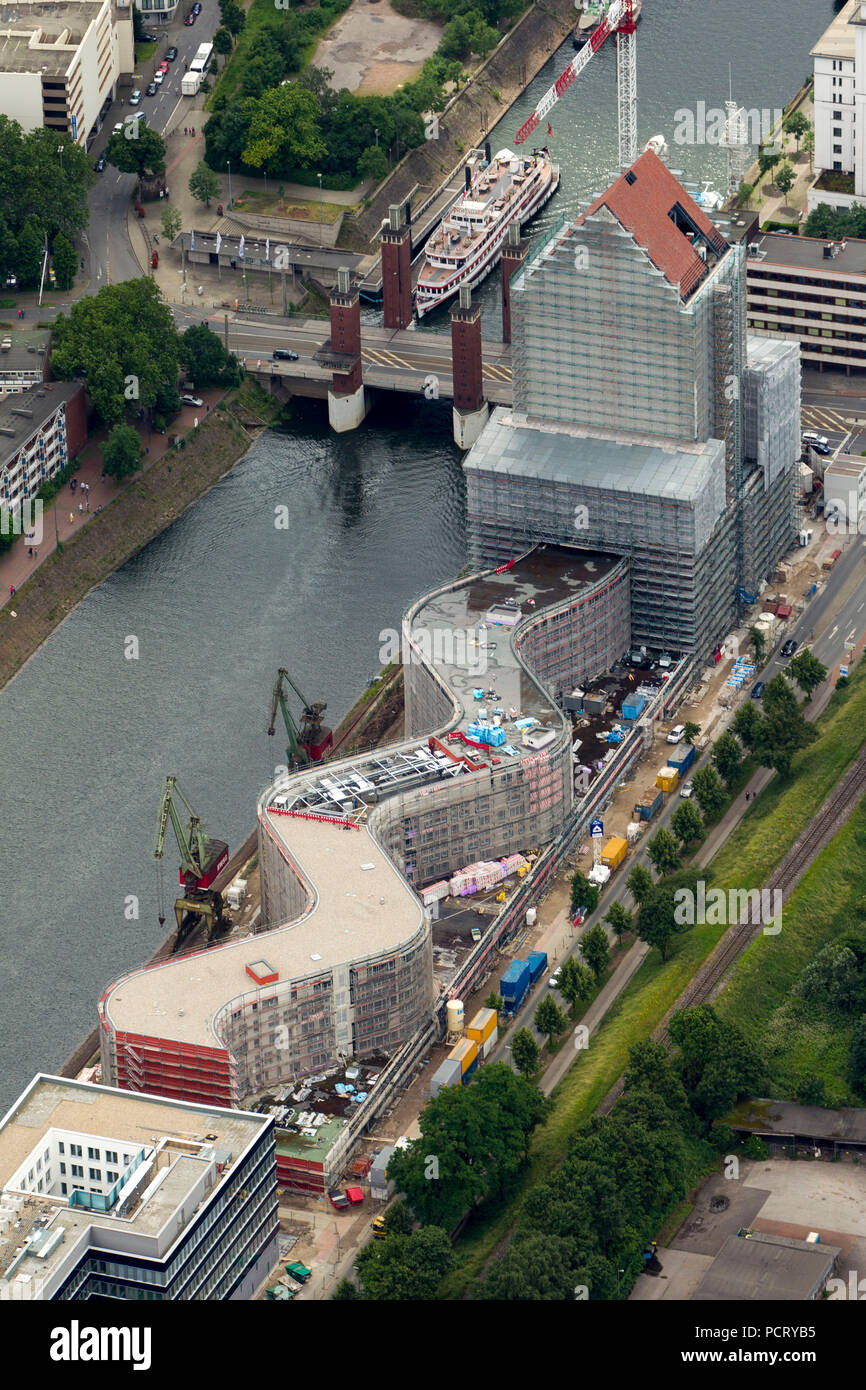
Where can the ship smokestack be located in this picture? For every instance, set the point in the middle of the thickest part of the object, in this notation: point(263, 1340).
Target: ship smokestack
point(467, 177)
point(487, 154)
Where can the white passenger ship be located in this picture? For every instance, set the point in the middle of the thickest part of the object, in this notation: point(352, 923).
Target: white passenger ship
point(468, 241)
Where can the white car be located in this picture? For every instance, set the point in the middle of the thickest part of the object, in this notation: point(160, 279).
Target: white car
point(686, 790)
point(676, 733)
point(159, 78)
point(553, 982)
point(191, 400)
point(135, 99)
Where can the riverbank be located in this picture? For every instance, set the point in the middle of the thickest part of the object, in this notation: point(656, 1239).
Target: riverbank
point(136, 516)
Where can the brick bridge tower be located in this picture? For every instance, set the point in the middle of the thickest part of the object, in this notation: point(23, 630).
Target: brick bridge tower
point(397, 270)
point(470, 407)
point(513, 255)
point(346, 402)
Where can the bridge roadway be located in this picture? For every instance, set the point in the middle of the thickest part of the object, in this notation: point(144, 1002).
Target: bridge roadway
point(392, 360)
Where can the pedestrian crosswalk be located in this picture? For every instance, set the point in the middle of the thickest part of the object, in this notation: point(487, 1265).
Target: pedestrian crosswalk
point(820, 417)
point(496, 372)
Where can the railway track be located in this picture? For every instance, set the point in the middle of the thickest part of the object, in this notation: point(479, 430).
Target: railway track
point(826, 822)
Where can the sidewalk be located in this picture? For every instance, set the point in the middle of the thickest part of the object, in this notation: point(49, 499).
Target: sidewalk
point(16, 566)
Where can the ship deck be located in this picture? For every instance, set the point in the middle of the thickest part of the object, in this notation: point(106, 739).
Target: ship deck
point(502, 189)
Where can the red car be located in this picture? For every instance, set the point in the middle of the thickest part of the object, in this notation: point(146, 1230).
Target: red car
point(163, 67)
point(190, 19)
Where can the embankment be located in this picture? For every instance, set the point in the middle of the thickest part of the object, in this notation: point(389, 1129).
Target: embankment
point(490, 92)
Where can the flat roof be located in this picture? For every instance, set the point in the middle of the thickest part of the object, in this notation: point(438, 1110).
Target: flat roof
point(316, 1149)
point(40, 402)
point(784, 1118)
point(354, 912)
point(807, 252)
point(837, 40)
point(848, 464)
point(54, 1102)
point(760, 1267)
point(545, 578)
point(43, 37)
point(29, 347)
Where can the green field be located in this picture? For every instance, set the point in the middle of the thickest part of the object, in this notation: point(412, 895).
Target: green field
point(754, 850)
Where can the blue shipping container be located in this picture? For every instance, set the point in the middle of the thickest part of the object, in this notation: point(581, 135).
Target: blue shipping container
point(470, 1069)
point(682, 757)
point(514, 984)
point(537, 962)
point(633, 706)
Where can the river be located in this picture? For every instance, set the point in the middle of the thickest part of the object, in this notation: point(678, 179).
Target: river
point(224, 597)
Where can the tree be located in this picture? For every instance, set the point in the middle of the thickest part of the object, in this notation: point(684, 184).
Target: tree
point(656, 924)
point(785, 178)
point(759, 644)
point(595, 949)
point(797, 124)
point(233, 17)
point(525, 1052)
point(747, 724)
point(640, 883)
point(767, 161)
point(858, 1057)
point(708, 790)
point(398, 1219)
point(284, 131)
point(686, 824)
point(63, 259)
point(31, 249)
point(373, 164)
point(121, 452)
point(406, 1267)
point(663, 852)
point(650, 1069)
point(345, 1291)
point(809, 141)
point(222, 40)
point(807, 671)
point(744, 193)
point(690, 731)
point(717, 1062)
point(783, 727)
point(137, 150)
point(619, 919)
point(203, 355)
point(727, 756)
point(575, 981)
point(123, 340)
point(549, 1019)
point(203, 183)
point(494, 1001)
point(832, 980)
point(171, 221)
point(583, 893)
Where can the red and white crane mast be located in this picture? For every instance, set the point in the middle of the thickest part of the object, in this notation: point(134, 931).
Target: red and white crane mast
point(620, 19)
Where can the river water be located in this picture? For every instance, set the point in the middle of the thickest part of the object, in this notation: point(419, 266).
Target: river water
point(224, 597)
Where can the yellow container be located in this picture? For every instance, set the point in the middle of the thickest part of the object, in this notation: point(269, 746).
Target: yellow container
point(614, 852)
point(667, 779)
point(465, 1053)
point(482, 1026)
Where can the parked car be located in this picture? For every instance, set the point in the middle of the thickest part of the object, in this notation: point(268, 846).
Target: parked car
point(171, 54)
point(191, 400)
point(118, 129)
point(149, 38)
point(822, 449)
point(100, 164)
point(686, 790)
point(196, 9)
point(553, 982)
point(284, 355)
point(758, 690)
point(190, 19)
point(158, 78)
point(135, 99)
point(151, 89)
point(676, 733)
point(789, 647)
point(377, 1226)
point(163, 66)
point(813, 437)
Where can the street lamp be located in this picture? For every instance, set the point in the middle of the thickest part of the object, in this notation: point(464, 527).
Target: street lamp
point(229, 167)
point(321, 212)
point(377, 137)
point(60, 152)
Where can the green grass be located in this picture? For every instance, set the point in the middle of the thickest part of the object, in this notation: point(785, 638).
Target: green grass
point(747, 859)
point(144, 52)
point(260, 203)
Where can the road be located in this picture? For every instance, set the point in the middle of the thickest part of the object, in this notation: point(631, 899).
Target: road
point(110, 257)
point(837, 613)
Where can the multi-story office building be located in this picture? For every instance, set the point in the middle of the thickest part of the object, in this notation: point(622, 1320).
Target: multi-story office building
point(108, 1194)
point(41, 431)
point(60, 62)
point(156, 12)
point(639, 407)
point(345, 965)
point(812, 292)
point(838, 96)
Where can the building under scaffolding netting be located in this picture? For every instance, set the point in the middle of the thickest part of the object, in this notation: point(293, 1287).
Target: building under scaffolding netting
point(635, 410)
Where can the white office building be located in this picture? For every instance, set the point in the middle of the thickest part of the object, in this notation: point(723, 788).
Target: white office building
point(60, 63)
point(839, 59)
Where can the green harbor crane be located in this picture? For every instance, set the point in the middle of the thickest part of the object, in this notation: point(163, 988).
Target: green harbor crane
point(202, 860)
point(309, 741)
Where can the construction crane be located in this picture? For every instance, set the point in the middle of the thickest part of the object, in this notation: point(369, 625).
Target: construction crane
point(310, 741)
point(620, 17)
point(202, 860)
